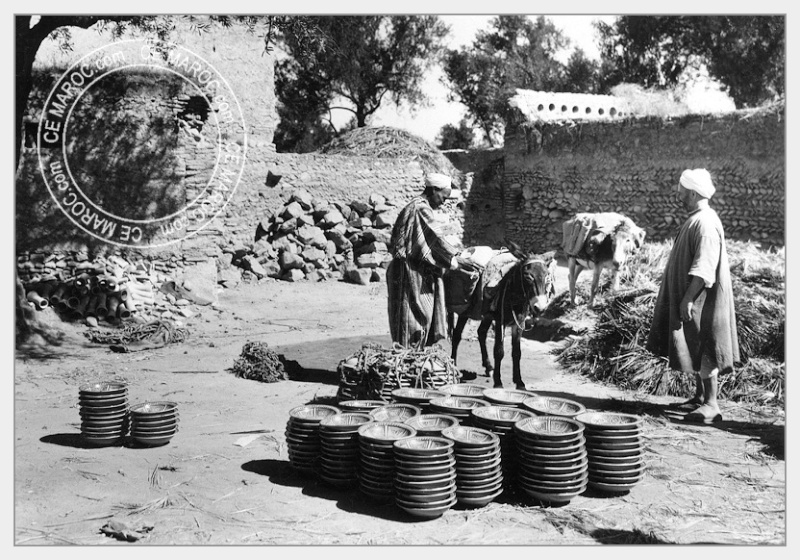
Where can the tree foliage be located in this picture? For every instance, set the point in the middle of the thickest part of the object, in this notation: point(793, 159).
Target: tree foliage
point(366, 59)
point(516, 52)
point(459, 137)
point(746, 53)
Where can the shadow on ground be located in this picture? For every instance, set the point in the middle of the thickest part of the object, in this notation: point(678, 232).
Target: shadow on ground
point(317, 362)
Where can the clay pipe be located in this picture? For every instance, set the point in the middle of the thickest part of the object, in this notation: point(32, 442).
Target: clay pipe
point(38, 301)
point(112, 304)
point(101, 308)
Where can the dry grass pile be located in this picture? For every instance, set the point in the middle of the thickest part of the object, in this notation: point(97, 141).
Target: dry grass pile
point(258, 362)
point(388, 142)
point(613, 348)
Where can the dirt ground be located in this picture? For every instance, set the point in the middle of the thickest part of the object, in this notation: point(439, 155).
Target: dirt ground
point(225, 478)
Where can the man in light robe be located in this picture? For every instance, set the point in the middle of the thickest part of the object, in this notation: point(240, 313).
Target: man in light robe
point(694, 323)
point(420, 256)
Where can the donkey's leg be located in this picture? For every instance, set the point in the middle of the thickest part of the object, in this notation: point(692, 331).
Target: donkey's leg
point(516, 355)
point(574, 270)
point(498, 352)
point(595, 283)
point(483, 329)
point(456, 336)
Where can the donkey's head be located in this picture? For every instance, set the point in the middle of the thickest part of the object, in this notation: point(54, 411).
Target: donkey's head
point(537, 277)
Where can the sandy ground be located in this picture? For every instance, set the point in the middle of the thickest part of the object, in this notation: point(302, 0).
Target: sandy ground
point(225, 478)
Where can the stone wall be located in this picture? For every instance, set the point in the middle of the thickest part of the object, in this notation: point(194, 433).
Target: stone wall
point(553, 171)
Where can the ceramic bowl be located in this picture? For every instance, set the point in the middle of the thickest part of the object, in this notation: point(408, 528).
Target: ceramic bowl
point(395, 412)
point(553, 406)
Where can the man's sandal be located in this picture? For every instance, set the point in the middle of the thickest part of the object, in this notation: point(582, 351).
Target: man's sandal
point(702, 417)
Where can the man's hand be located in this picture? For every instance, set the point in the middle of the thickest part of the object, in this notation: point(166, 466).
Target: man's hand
point(686, 310)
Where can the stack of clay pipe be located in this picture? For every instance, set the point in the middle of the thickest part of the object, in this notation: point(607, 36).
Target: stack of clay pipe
point(86, 296)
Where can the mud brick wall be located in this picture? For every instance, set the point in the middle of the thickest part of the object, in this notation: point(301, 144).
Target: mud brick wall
point(482, 211)
point(553, 171)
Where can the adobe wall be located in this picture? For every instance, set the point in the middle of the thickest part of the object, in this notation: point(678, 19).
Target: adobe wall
point(553, 171)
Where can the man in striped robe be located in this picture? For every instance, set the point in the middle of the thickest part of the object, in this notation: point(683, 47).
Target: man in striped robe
point(421, 255)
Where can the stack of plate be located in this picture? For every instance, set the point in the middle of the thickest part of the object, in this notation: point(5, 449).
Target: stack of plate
point(302, 435)
point(431, 424)
point(338, 436)
point(418, 397)
point(464, 390)
point(500, 421)
point(395, 412)
point(360, 405)
point(616, 450)
point(460, 407)
point(154, 423)
point(507, 397)
point(553, 406)
point(479, 475)
point(552, 458)
point(376, 466)
point(104, 412)
point(425, 476)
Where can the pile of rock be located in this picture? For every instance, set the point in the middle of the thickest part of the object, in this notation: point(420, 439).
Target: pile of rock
point(311, 238)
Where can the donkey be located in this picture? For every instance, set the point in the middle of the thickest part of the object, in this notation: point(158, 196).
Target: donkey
point(524, 292)
point(601, 251)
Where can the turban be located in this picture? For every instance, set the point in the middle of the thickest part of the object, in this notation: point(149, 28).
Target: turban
point(437, 181)
point(699, 181)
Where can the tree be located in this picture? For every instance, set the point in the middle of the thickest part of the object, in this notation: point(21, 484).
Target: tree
point(581, 73)
point(456, 138)
point(746, 53)
point(517, 52)
point(366, 59)
point(31, 31)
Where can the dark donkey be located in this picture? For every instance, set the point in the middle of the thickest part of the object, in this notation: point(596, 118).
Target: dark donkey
point(523, 293)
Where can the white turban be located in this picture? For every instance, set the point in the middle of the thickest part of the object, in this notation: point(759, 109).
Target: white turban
point(437, 181)
point(699, 181)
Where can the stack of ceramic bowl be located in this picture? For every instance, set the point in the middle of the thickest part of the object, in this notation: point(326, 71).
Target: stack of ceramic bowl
point(616, 450)
point(431, 424)
point(500, 421)
point(395, 412)
point(376, 465)
point(479, 474)
point(460, 407)
point(361, 405)
point(506, 397)
point(425, 475)
point(463, 390)
point(420, 398)
point(104, 412)
point(553, 406)
point(338, 434)
point(552, 458)
point(302, 435)
point(154, 423)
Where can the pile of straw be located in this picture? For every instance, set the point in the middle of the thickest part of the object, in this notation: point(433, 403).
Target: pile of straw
point(612, 350)
point(260, 363)
point(388, 142)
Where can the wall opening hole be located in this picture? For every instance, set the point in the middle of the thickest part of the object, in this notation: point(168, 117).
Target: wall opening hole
point(588, 110)
point(552, 107)
point(563, 108)
point(612, 112)
point(540, 107)
point(601, 111)
point(575, 109)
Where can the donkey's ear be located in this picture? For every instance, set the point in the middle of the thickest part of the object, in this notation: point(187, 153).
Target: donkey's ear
point(515, 249)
